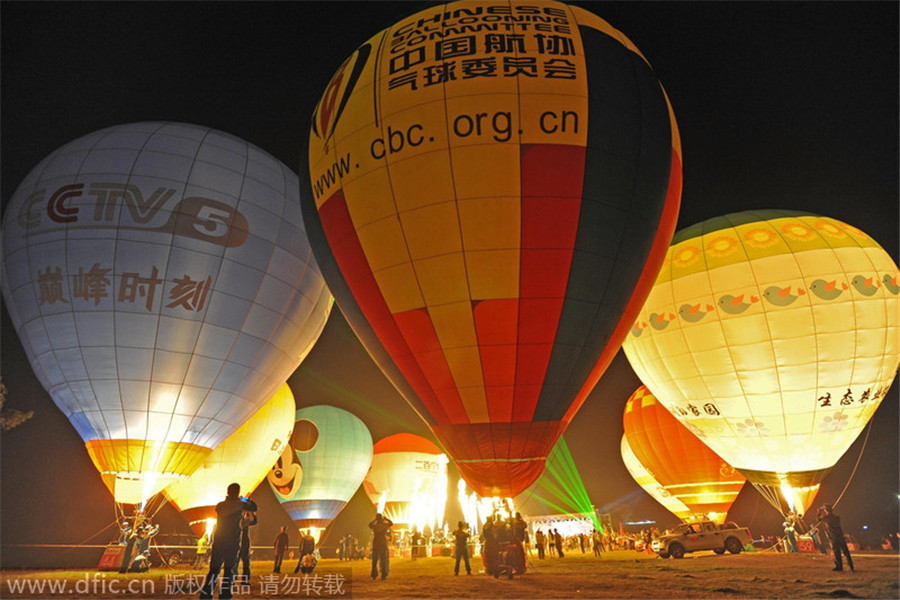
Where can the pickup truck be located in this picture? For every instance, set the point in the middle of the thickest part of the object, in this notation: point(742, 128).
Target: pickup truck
point(702, 535)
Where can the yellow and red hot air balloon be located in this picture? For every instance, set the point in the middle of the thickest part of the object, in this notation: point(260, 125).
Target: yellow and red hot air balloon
point(490, 210)
point(651, 485)
point(245, 457)
point(408, 474)
point(779, 342)
point(683, 465)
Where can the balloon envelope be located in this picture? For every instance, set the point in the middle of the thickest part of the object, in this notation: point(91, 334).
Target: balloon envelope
point(646, 480)
point(773, 336)
point(490, 212)
point(163, 288)
point(683, 465)
point(245, 457)
point(329, 455)
point(406, 469)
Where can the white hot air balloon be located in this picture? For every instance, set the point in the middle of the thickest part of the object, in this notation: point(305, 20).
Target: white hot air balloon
point(161, 282)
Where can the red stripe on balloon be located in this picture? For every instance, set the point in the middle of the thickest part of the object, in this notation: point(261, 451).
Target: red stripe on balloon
point(664, 232)
point(508, 457)
point(552, 185)
point(351, 260)
point(419, 332)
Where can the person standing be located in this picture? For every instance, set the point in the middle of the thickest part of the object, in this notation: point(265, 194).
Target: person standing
point(307, 548)
point(226, 542)
point(597, 541)
point(202, 547)
point(539, 542)
point(835, 533)
point(280, 544)
point(381, 531)
point(248, 520)
point(559, 542)
point(461, 549)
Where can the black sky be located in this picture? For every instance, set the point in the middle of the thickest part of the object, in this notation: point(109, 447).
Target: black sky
point(780, 105)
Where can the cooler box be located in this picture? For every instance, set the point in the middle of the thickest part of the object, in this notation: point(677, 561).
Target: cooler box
point(805, 544)
point(112, 558)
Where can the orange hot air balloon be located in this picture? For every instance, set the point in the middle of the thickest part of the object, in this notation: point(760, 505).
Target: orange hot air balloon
point(490, 211)
point(683, 465)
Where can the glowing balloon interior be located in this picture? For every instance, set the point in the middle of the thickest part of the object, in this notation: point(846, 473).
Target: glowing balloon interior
point(162, 285)
point(329, 455)
point(410, 473)
point(646, 480)
point(773, 336)
point(490, 211)
point(245, 457)
point(683, 465)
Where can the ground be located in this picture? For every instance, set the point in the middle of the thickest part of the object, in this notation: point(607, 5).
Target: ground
point(622, 574)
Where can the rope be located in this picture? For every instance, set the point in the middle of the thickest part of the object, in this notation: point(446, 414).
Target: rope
point(858, 458)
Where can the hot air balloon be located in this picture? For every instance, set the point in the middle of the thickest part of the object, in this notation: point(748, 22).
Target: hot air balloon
point(329, 455)
point(490, 210)
point(409, 475)
point(646, 480)
point(776, 344)
point(162, 285)
point(684, 466)
point(245, 457)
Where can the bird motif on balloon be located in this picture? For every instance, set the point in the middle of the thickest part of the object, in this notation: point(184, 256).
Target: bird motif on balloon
point(638, 328)
point(891, 284)
point(694, 312)
point(735, 305)
point(782, 296)
point(867, 286)
point(827, 290)
point(660, 321)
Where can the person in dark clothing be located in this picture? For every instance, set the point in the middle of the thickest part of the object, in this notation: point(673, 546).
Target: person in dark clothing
point(281, 543)
point(539, 542)
point(461, 549)
point(381, 530)
point(491, 548)
point(833, 530)
point(248, 520)
point(559, 542)
point(307, 548)
point(226, 542)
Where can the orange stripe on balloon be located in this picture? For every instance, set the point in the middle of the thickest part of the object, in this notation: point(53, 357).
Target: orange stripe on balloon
point(349, 255)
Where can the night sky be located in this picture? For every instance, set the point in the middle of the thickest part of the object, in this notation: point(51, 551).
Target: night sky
point(780, 105)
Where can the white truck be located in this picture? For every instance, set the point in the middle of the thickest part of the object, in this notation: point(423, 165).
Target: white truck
point(702, 535)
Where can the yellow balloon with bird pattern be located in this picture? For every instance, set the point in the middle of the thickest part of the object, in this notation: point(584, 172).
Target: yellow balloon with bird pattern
point(773, 336)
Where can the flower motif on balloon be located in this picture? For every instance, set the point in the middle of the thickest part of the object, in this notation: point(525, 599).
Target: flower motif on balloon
point(751, 427)
point(686, 255)
point(798, 232)
point(722, 245)
point(761, 237)
point(829, 229)
point(835, 422)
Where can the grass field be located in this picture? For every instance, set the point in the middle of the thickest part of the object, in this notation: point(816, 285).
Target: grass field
point(621, 574)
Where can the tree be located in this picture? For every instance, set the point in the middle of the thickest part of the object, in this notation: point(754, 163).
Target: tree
point(10, 417)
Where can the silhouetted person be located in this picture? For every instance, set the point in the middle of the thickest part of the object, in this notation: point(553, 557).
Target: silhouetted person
point(539, 542)
point(559, 542)
point(833, 530)
point(307, 548)
point(248, 520)
point(461, 550)
point(226, 542)
point(281, 543)
point(381, 529)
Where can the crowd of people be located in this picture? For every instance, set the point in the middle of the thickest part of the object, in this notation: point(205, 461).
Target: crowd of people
point(504, 544)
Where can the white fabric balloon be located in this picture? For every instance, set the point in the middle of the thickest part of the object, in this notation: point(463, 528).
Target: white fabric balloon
point(161, 282)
